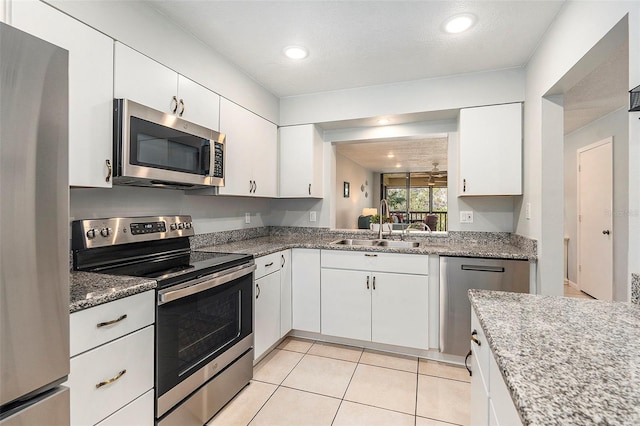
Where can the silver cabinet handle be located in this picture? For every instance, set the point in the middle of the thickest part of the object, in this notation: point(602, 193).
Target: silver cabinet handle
point(181, 109)
point(268, 264)
point(374, 283)
point(473, 338)
point(111, 380)
point(174, 103)
point(309, 189)
point(108, 178)
point(367, 283)
point(106, 323)
point(370, 255)
point(606, 232)
point(257, 290)
point(255, 186)
point(283, 261)
point(464, 185)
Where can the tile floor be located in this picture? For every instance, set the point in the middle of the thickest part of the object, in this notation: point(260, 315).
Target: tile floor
point(570, 291)
point(303, 382)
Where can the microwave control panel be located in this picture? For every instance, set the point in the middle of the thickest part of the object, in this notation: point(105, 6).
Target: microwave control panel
point(218, 160)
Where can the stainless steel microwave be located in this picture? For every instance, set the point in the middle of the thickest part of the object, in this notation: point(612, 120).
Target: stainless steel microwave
point(152, 148)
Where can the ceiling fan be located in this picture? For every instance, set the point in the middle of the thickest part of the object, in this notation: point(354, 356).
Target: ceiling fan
point(436, 175)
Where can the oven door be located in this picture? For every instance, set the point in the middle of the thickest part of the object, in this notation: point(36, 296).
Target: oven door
point(201, 327)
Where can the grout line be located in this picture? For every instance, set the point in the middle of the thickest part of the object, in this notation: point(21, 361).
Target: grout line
point(445, 378)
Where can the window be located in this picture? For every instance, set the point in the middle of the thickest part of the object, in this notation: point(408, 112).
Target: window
point(427, 201)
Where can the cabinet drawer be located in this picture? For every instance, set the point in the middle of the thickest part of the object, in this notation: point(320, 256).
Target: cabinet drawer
point(87, 329)
point(138, 413)
point(376, 261)
point(267, 264)
point(133, 354)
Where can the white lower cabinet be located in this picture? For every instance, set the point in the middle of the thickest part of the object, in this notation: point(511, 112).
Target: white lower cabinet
point(365, 303)
point(491, 402)
point(305, 292)
point(285, 293)
point(112, 364)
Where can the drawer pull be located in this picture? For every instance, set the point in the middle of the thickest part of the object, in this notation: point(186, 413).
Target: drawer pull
point(268, 264)
point(367, 283)
point(111, 380)
point(106, 323)
point(473, 338)
point(374, 283)
point(370, 255)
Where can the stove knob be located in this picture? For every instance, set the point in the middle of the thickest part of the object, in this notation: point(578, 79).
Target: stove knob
point(91, 234)
point(105, 232)
point(173, 227)
point(187, 225)
point(181, 225)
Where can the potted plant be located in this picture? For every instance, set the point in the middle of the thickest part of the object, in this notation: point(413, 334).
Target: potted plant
point(375, 223)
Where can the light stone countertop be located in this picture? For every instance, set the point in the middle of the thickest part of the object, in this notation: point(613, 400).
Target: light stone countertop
point(565, 361)
point(88, 289)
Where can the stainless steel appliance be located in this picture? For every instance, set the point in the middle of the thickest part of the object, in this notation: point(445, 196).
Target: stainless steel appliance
point(204, 313)
point(34, 211)
point(152, 148)
point(457, 276)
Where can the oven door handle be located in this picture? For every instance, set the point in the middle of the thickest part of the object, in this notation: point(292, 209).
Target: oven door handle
point(224, 278)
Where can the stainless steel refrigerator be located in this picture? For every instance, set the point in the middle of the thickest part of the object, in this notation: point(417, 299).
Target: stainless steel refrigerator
point(34, 231)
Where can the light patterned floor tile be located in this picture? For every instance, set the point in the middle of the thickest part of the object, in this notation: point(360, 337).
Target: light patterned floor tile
point(352, 414)
point(241, 409)
point(444, 370)
point(296, 345)
point(294, 407)
point(421, 421)
point(276, 366)
point(443, 399)
point(397, 362)
point(384, 388)
point(326, 376)
point(345, 353)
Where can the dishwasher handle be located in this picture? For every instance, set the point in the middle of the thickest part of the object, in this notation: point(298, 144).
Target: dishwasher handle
point(483, 268)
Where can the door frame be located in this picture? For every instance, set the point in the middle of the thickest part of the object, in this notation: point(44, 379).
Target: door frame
point(605, 141)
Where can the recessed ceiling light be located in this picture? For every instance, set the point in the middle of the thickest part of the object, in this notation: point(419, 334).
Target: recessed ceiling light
point(390, 155)
point(383, 121)
point(459, 23)
point(295, 52)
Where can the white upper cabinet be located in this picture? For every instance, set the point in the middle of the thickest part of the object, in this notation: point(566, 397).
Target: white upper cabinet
point(301, 162)
point(251, 157)
point(143, 80)
point(90, 88)
point(490, 150)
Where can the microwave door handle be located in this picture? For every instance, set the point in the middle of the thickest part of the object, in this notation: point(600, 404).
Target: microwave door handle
point(205, 285)
point(207, 159)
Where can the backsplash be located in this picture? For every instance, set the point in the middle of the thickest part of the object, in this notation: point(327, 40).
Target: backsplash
point(635, 288)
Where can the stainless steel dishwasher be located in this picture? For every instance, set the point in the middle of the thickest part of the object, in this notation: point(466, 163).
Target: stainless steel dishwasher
point(457, 276)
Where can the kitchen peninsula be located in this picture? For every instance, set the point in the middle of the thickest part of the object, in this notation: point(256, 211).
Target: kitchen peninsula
point(564, 361)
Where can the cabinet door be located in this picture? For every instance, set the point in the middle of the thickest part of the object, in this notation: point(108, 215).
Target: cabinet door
point(199, 104)
point(479, 396)
point(264, 153)
point(239, 155)
point(267, 313)
point(285, 292)
point(143, 80)
point(305, 283)
point(490, 151)
point(400, 309)
point(301, 162)
point(345, 303)
point(90, 88)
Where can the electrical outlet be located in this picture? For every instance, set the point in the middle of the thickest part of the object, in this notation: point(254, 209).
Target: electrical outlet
point(527, 211)
point(247, 218)
point(466, 217)
point(312, 216)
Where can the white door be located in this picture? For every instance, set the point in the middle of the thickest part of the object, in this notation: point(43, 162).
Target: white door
point(267, 313)
point(345, 303)
point(595, 232)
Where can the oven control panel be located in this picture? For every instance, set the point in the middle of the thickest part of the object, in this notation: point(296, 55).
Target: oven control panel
point(92, 233)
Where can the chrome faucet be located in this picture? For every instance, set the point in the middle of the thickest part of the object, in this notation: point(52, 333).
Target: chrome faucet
point(383, 203)
point(417, 225)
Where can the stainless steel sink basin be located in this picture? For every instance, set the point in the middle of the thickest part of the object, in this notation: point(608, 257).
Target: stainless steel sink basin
point(377, 243)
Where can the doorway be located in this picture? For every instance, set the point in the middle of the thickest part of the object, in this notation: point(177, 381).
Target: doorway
point(595, 207)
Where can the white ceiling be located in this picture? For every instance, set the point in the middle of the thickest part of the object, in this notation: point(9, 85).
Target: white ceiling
point(362, 43)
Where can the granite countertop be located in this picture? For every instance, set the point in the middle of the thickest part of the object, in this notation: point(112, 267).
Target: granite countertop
point(565, 361)
point(88, 289)
point(262, 246)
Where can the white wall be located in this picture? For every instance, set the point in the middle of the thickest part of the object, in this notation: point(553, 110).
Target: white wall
point(137, 25)
point(436, 94)
point(615, 124)
point(349, 208)
point(577, 29)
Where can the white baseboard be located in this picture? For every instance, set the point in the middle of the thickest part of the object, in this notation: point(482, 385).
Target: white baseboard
point(572, 284)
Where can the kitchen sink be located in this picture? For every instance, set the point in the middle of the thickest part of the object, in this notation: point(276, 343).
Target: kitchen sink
point(377, 243)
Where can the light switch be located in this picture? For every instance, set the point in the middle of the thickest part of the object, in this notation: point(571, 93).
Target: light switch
point(247, 218)
point(466, 217)
point(527, 211)
point(312, 216)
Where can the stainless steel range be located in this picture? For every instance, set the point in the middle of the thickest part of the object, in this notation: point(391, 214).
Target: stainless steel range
point(204, 317)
